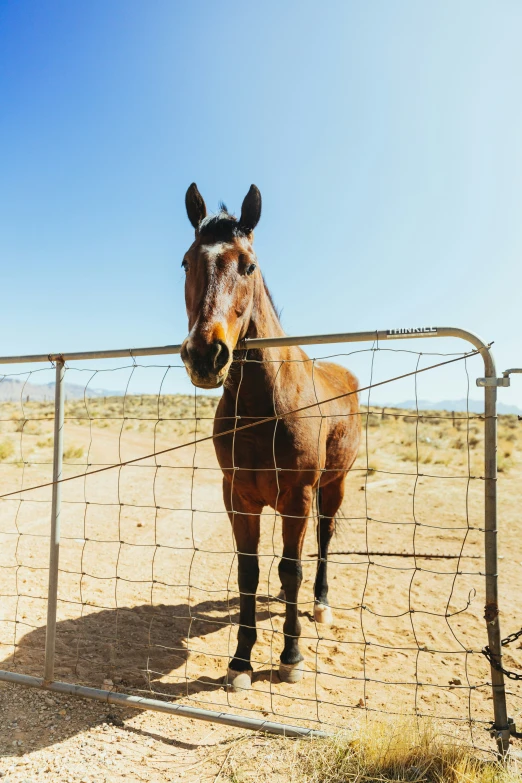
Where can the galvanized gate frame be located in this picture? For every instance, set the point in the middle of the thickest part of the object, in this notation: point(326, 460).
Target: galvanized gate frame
point(502, 726)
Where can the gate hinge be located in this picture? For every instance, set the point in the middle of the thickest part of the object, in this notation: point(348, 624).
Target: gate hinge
point(503, 735)
point(513, 729)
point(493, 381)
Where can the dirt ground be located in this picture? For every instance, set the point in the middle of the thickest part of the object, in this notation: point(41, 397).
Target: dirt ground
point(148, 593)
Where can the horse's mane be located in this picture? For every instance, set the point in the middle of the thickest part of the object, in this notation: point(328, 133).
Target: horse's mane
point(277, 310)
point(223, 226)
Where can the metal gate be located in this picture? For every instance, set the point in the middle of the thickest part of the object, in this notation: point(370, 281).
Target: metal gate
point(502, 727)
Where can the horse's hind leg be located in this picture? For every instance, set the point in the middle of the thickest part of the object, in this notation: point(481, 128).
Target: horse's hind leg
point(245, 526)
point(329, 499)
point(297, 507)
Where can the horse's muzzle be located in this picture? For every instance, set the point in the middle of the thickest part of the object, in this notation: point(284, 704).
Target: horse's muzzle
point(206, 364)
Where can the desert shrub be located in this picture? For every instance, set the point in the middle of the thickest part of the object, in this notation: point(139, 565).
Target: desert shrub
point(426, 456)
point(33, 428)
point(504, 462)
point(6, 450)
point(73, 452)
point(442, 459)
point(507, 448)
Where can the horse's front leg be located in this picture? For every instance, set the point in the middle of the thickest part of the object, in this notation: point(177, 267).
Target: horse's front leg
point(245, 520)
point(295, 511)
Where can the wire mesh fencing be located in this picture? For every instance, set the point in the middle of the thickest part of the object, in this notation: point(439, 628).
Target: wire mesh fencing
point(148, 602)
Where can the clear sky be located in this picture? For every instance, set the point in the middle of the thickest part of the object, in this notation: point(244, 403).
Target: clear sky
point(386, 139)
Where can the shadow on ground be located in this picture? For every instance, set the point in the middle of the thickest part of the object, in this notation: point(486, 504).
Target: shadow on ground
point(134, 647)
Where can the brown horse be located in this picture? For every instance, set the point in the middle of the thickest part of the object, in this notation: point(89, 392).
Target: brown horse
point(282, 464)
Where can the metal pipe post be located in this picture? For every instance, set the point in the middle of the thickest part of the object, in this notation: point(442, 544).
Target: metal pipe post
point(501, 726)
point(54, 552)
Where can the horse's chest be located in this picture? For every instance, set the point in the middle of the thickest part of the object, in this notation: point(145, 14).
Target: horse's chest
point(290, 445)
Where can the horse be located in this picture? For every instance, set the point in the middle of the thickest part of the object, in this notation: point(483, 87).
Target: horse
point(284, 463)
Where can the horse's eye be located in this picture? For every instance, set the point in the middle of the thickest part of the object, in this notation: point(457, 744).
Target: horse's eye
point(251, 269)
point(184, 264)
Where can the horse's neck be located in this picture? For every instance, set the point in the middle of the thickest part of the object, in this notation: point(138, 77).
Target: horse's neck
point(264, 321)
point(258, 375)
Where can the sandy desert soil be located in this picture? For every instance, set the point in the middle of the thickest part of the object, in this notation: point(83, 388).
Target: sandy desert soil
point(148, 594)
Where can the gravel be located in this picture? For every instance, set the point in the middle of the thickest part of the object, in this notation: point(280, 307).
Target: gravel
point(65, 740)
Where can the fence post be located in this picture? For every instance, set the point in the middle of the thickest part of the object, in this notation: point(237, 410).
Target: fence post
point(54, 552)
point(501, 725)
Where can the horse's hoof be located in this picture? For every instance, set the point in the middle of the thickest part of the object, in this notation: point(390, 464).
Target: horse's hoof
point(291, 672)
point(238, 681)
point(323, 614)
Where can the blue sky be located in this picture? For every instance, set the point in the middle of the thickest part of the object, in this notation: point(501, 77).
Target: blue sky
point(385, 139)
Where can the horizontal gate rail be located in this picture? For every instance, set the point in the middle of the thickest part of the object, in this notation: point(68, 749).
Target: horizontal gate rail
point(269, 342)
point(141, 703)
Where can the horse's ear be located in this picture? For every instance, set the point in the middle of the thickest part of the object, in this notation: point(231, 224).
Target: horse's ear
point(196, 209)
point(251, 209)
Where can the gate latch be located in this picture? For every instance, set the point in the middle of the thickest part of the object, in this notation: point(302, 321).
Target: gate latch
point(504, 381)
point(493, 381)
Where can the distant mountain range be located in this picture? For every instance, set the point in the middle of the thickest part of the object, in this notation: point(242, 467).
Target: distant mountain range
point(12, 390)
point(474, 406)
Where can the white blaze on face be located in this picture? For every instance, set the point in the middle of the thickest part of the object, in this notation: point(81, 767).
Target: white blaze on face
point(214, 251)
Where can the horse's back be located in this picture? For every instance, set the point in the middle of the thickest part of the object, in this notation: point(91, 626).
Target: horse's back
point(342, 416)
point(334, 381)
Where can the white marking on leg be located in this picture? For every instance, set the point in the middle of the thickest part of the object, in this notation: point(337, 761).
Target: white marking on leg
point(323, 614)
point(238, 681)
point(291, 672)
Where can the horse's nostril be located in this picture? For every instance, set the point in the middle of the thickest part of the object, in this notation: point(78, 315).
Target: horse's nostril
point(205, 359)
point(220, 354)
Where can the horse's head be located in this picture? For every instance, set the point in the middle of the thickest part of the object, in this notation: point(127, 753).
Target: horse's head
point(221, 270)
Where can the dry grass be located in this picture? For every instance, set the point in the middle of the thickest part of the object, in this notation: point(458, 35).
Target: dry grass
point(435, 438)
point(178, 415)
point(378, 752)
